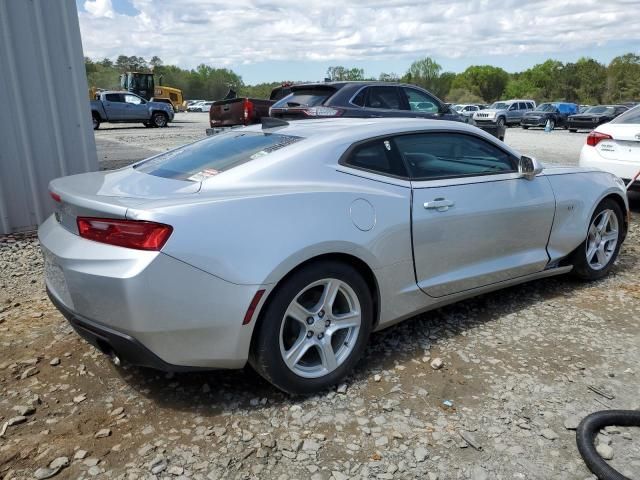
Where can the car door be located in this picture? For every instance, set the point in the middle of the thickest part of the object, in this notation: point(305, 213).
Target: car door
point(135, 108)
point(475, 220)
point(512, 113)
point(114, 106)
point(382, 101)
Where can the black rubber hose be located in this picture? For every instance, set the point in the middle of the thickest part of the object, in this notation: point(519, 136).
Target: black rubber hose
point(589, 428)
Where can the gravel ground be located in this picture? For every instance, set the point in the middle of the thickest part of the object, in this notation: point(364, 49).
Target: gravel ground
point(517, 370)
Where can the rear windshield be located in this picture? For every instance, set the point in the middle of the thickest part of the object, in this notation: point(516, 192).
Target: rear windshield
point(630, 116)
point(305, 97)
point(209, 157)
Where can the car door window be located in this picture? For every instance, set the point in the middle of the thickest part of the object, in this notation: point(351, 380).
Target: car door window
point(132, 99)
point(113, 97)
point(523, 106)
point(513, 107)
point(384, 97)
point(444, 155)
point(376, 156)
point(420, 101)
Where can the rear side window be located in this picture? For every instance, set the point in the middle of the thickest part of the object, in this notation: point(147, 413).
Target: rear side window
point(306, 97)
point(114, 97)
point(384, 97)
point(631, 116)
point(207, 158)
point(376, 156)
point(443, 155)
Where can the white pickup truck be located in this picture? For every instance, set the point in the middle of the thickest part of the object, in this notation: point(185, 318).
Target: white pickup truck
point(127, 107)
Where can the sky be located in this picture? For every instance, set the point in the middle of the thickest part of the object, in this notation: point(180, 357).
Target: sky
point(274, 40)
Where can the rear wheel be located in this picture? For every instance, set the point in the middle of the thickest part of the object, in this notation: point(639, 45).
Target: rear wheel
point(595, 257)
point(159, 119)
point(314, 329)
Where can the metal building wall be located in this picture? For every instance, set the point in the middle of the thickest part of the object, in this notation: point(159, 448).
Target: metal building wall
point(45, 127)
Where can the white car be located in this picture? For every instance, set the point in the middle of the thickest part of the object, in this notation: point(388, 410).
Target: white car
point(615, 147)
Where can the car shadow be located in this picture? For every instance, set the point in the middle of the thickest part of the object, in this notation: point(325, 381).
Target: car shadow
point(138, 127)
point(634, 202)
point(213, 393)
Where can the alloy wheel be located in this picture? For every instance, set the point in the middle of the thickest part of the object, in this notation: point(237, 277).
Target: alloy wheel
point(602, 239)
point(320, 328)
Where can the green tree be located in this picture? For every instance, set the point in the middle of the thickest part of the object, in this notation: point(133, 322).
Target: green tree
point(340, 73)
point(623, 78)
point(483, 80)
point(592, 81)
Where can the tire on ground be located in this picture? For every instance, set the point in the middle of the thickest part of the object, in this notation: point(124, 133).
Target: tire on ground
point(266, 357)
point(582, 268)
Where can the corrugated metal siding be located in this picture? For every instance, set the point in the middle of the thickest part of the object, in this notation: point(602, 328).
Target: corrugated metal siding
point(45, 122)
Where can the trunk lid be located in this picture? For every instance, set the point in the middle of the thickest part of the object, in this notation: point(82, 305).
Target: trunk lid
point(111, 194)
point(625, 144)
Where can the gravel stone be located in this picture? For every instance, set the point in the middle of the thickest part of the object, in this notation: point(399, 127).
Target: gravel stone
point(605, 451)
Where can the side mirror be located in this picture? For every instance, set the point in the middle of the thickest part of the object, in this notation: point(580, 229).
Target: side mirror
point(529, 167)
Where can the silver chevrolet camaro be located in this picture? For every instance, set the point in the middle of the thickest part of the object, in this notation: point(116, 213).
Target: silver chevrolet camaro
point(287, 244)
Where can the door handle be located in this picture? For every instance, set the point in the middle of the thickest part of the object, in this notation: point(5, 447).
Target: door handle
point(439, 204)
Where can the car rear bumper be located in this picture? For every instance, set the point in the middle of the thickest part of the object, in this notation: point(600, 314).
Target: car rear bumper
point(589, 157)
point(147, 307)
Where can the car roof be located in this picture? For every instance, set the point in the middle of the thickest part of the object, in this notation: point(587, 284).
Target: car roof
point(342, 83)
point(352, 130)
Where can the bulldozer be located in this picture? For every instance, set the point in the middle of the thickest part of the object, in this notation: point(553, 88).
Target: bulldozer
point(143, 84)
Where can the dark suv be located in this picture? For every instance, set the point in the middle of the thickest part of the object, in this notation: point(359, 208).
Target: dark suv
point(360, 99)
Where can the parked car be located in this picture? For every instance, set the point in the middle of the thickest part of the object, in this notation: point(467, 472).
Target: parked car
point(291, 242)
point(594, 116)
point(126, 107)
point(556, 113)
point(615, 147)
point(195, 106)
point(204, 107)
point(242, 110)
point(467, 111)
point(583, 108)
point(503, 113)
point(360, 99)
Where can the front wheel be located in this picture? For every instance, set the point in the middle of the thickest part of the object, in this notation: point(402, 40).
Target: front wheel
point(501, 122)
point(552, 124)
point(595, 257)
point(96, 121)
point(314, 329)
point(159, 119)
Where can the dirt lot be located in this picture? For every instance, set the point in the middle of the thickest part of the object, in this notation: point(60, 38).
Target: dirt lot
point(518, 365)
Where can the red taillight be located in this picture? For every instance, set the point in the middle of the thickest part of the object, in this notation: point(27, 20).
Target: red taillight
point(55, 196)
point(252, 307)
point(248, 111)
point(594, 138)
point(322, 112)
point(125, 233)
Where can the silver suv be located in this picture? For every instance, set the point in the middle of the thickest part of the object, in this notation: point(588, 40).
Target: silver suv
point(508, 112)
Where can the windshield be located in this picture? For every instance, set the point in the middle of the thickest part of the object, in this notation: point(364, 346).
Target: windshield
point(201, 160)
point(629, 117)
point(546, 107)
point(458, 108)
point(601, 109)
point(499, 106)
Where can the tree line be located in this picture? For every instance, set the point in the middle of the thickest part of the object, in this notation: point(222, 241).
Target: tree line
point(586, 81)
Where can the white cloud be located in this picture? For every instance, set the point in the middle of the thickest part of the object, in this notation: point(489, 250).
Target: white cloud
point(99, 8)
point(224, 33)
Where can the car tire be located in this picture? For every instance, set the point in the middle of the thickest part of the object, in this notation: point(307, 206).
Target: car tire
point(595, 257)
point(573, 130)
point(96, 121)
point(501, 122)
point(524, 128)
point(159, 119)
point(325, 345)
point(552, 124)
